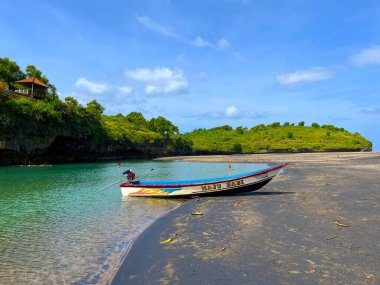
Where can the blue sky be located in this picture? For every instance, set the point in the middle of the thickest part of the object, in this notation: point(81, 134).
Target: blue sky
point(208, 63)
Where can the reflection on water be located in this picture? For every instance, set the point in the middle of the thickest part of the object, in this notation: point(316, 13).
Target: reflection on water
point(56, 228)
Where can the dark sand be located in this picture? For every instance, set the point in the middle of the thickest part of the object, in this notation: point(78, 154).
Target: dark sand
point(318, 222)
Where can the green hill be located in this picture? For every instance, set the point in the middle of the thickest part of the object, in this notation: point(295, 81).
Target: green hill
point(276, 138)
point(56, 131)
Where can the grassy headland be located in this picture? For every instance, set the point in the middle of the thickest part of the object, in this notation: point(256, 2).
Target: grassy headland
point(276, 138)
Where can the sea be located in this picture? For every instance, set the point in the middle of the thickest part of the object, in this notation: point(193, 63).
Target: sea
point(69, 224)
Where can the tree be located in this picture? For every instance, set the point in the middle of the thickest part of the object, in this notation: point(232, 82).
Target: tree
point(240, 130)
point(71, 103)
point(52, 90)
point(315, 125)
point(286, 124)
point(237, 148)
point(137, 119)
point(10, 72)
point(275, 124)
point(95, 108)
point(223, 128)
point(32, 71)
point(302, 123)
point(162, 126)
point(3, 86)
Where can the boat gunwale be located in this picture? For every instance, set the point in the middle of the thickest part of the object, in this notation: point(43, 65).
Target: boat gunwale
point(252, 174)
point(200, 194)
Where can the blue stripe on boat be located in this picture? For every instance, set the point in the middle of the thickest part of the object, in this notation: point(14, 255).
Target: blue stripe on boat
point(207, 180)
point(171, 190)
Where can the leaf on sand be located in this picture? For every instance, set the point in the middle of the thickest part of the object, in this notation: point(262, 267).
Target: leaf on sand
point(339, 224)
point(294, 272)
point(310, 261)
point(205, 233)
point(237, 204)
point(196, 213)
point(173, 235)
point(223, 249)
point(369, 276)
point(166, 241)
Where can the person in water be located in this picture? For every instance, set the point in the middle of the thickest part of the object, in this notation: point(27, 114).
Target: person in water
point(130, 175)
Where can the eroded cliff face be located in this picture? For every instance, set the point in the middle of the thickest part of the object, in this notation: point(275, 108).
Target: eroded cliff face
point(65, 149)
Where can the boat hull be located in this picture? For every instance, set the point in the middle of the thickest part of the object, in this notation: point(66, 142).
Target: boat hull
point(209, 187)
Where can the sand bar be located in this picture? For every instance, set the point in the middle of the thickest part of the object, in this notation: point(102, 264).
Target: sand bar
point(316, 223)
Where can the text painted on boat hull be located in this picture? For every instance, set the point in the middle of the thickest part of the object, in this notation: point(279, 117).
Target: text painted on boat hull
point(218, 186)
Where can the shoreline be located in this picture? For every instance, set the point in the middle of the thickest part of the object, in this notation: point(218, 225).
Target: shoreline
point(137, 236)
point(312, 224)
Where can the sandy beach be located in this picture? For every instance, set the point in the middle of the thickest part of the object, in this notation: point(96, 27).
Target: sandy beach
point(318, 222)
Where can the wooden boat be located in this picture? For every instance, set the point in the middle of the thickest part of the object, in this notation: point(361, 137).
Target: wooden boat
point(239, 183)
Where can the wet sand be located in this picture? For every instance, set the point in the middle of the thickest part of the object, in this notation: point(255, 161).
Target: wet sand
point(318, 222)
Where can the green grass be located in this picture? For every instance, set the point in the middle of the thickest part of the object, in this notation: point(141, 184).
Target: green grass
point(274, 138)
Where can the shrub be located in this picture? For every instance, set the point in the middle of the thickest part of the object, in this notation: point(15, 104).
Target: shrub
point(240, 130)
point(237, 147)
point(315, 125)
point(275, 124)
point(258, 128)
point(3, 86)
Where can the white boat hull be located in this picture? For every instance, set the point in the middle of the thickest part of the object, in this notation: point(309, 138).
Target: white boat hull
point(208, 187)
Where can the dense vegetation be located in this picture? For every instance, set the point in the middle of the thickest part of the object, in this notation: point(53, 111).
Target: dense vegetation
point(47, 128)
point(10, 72)
point(34, 123)
point(276, 138)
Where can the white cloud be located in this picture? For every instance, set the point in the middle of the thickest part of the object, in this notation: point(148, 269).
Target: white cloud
point(223, 44)
point(124, 89)
point(367, 56)
point(238, 56)
point(199, 42)
point(232, 112)
point(371, 111)
point(166, 31)
point(150, 24)
point(305, 76)
point(151, 89)
point(200, 75)
point(93, 87)
point(159, 80)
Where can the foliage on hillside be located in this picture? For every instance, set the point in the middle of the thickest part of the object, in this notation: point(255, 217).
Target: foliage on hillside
point(39, 120)
point(134, 130)
point(276, 138)
point(42, 120)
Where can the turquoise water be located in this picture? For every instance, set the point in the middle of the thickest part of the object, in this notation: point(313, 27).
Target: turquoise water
point(57, 228)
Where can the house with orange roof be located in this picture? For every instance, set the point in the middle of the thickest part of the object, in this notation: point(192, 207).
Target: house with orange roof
point(34, 87)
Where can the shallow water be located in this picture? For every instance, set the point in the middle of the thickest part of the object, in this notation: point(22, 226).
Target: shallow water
point(57, 228)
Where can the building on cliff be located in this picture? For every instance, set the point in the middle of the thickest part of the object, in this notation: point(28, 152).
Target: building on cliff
point(34, 87)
